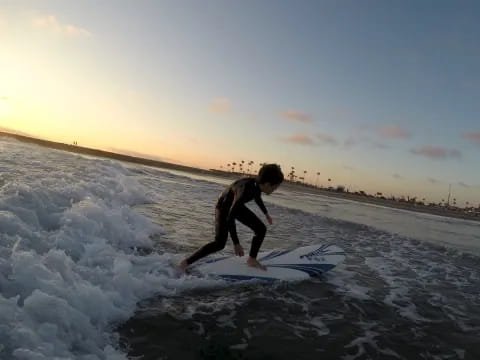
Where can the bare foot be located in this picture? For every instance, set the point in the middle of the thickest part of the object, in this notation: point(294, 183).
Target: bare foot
point(254, 263)
point(182, 265)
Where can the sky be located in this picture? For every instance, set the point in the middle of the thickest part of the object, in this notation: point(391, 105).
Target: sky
point(379, 96)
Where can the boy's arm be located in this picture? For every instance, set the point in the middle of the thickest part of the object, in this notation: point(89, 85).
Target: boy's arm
point(261, 205)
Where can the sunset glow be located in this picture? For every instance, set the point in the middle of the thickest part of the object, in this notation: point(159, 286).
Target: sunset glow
point(311, 86)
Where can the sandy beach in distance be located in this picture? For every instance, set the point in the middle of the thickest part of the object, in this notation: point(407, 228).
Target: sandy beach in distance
point(437, 210)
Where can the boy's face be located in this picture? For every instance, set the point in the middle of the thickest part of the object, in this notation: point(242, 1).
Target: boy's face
point(269, 188)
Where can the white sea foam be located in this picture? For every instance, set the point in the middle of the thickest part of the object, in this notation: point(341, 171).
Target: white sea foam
point(369, 338)
point(346, 283)
point(70, 269)
point(68, 260)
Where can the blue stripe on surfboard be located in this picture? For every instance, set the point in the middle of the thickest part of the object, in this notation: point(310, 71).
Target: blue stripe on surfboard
point(311, 269)
point(323, 254)
point(322, 249)
point(233, 278)
point(273, 255)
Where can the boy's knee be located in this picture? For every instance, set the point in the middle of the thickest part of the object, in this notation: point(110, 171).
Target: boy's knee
point(219, 244)
point(261, 231)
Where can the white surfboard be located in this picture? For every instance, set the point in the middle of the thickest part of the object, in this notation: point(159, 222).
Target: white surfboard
point(295, 264)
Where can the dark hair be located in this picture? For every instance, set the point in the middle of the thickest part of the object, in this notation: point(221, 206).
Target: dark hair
point(270, 173)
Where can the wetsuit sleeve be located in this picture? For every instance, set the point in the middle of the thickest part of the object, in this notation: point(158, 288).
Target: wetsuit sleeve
point(232, 227)
point(242, 194)
point(261, 205)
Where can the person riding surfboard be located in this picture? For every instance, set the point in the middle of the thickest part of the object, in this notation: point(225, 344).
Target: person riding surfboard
point(231, 207)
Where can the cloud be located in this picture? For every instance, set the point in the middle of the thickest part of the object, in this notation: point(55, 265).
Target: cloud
point(432, 180)
point(462, 184)
point(318, 139)
point(379, 145)
point(326, 139)
point(397, 176)
point(436, 152)
point(393, 132)
point(52, 24)
point(297, 116)
point(349, 142)
point(359, 139)
point(472, 136)
point(3, 98)
point(220, 106)
point(300, 139)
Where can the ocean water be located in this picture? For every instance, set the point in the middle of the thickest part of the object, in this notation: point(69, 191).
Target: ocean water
point(86, 247)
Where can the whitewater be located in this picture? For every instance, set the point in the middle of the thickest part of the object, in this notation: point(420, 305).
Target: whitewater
point(86, 247)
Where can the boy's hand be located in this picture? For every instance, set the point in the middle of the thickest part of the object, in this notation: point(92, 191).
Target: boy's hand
point(238, 250)
point(269, 219)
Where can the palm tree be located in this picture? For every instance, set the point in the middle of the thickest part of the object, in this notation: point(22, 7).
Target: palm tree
point(316, 182)
point(292, 174)
point(250, 163)
point(304, 176)
point(233, 165)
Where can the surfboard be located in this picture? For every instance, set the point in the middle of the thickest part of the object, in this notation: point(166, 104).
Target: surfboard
point(289, 265)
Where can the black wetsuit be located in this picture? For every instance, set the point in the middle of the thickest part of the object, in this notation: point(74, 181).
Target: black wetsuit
point(231, 207)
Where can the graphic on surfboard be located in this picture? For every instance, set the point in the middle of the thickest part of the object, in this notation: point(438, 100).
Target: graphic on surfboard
point(294, 264)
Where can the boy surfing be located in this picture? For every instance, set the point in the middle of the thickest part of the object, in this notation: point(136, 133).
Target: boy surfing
point(231, 207)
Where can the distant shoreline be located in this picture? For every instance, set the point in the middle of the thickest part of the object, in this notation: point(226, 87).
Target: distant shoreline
point(440, 211)
point(402, 205)
point(102, 153)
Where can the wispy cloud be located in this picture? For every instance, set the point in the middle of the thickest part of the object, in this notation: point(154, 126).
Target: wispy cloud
point(393, 132)
point(307, 139)
point(326, 139)
point(52, 24)
point(462, 184)
point(297, 116)
point(349, 142)
point(360, 139)
point(379, 145)
point(3, 98)
point(436, 152)
point(472, 136)
point(397, 176)
point(300, 139)
point(220, 106)
point(432, 180)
